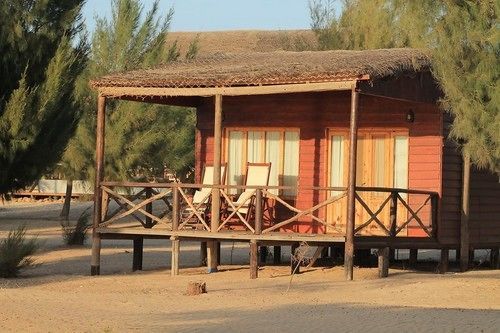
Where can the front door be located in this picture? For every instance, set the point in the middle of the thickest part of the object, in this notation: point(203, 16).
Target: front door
point(382, 161)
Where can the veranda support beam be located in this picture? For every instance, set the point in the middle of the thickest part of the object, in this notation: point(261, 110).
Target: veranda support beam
point(215, 209)
point(118, 92)
point(464, 217)
point(175, 256)
point(351, 186)
point(99, 175)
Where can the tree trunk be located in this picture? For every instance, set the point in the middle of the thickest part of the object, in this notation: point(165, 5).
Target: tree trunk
point(67, 200)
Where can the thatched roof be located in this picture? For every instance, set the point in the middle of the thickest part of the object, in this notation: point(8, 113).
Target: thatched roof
point(270, 68)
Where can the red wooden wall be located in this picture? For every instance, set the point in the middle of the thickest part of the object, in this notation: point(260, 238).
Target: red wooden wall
point(313, 114)
point(484, 221)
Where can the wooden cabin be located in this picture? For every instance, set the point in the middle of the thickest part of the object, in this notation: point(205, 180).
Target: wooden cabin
point(357, 144)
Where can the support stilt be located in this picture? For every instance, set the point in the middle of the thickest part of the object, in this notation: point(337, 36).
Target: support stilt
point(203, 253)
point(175, 256)
point(277, 255)
point(494, 261)
point(412, 262)
point(443, 264)
point(137, 254)
point(254, 262)
point(383, 262)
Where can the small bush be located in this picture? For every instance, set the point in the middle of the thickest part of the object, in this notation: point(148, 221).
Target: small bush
point(76, 235)
point(16, 252)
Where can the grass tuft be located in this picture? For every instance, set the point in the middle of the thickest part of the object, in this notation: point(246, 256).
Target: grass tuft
point(16, 251)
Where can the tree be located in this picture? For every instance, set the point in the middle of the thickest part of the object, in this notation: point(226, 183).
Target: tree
point(373, 24)
point(38, 67)
point(143, 139)
point(466, 62)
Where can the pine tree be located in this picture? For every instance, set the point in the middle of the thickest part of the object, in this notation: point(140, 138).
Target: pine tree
point(38, 67)
point(373, 24)
point(463, 37)
point(466, 61)
point(142, 139)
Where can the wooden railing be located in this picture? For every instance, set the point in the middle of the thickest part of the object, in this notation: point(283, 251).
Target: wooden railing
point(395, 196)
point(178, 212)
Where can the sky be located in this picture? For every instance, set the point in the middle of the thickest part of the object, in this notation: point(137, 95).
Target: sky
point(212, 15)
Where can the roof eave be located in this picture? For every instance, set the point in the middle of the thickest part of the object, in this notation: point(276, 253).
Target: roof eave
point(117, 92)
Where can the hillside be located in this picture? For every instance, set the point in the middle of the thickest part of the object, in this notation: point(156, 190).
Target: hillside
point(245, 40)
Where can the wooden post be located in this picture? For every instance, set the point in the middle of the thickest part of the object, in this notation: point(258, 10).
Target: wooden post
point(99, 175)
point(393, 211)
point(149, 209)
point(494, 254)
point(443, 264)
point(175, 208)
point(412, 262)
point(435, 215)
point(203, 254)
point(383, 262)
point(276, 255)
point(215, 211)
point(105, 205)
point(175, 256)
point(464, 218)
point(175, 226)
point(254, 262)
point(137, 254)
point(351, 187)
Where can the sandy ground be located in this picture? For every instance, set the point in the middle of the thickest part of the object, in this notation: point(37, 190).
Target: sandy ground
point(59, 295)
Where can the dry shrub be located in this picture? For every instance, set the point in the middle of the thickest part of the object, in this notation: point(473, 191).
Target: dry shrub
point(16, 252)
point(76, 235)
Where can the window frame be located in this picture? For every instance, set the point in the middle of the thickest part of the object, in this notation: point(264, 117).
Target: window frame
point(370, 131)
point(245, 130)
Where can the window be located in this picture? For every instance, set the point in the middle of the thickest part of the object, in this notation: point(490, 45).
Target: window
point(377, 153)
point(280, 147)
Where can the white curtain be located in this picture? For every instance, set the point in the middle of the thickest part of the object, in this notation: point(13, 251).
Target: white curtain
point(291, 161)
point(235, 159)
point(401, 161)
point(379, 162)
point(255, 146)
point(337, 163)
point(273, 140)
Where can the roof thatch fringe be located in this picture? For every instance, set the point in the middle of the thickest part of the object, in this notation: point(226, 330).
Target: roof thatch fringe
point(267, 68)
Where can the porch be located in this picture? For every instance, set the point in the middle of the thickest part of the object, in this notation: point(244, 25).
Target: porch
point(155, 211)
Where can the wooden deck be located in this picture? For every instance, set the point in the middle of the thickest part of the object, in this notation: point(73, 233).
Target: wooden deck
point(275, 238)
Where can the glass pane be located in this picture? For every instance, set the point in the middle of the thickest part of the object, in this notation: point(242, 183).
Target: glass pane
point(360, 162)
point(291, 161)
point(337, 163)
point(235, 159)
point(273, 140)
point(401, 161)
point(379, 161)
point(255, 146)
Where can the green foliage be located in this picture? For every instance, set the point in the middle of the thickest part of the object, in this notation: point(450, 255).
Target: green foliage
point(467, 64)
point(38, 67)
point(463, 37)
point(373, 24)
point(76, 235)
point(141, 139)
point(16, 252)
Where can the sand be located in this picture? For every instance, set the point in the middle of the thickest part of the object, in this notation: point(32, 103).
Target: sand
point(60, 296)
